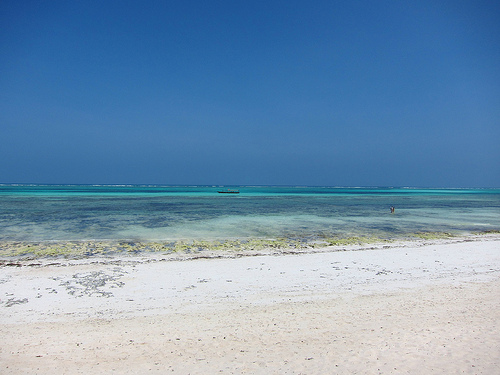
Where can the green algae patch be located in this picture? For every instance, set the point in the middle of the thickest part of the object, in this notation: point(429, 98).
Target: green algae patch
point(433, 235)
point(65, 249)
point(158, 247)
point(280, 243)
point(352, 241)
point(486, 232)
point(16, 249)
point(346, 241)
point(81, 249)
point(234, 245)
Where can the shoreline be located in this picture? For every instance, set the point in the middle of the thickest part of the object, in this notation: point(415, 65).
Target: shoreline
point(430, 306)
point(17, 253)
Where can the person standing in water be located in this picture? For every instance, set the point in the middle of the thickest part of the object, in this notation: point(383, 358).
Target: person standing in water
point(392, 209)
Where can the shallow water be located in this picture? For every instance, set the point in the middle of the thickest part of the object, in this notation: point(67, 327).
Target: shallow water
point(162, 213)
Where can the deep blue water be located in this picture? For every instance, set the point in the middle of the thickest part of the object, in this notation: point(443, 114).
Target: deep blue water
point(36, 213)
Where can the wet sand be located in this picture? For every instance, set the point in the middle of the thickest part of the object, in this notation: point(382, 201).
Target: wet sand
point(431, 307)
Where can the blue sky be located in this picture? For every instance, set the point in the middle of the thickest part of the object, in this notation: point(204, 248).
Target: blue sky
point(338, 93)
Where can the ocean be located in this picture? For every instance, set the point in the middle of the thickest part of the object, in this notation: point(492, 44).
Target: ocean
point(304, 215)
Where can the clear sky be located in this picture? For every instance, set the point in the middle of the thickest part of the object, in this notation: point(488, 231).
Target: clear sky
point(338, 93)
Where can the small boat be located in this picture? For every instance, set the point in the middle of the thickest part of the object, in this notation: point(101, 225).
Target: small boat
point(228, 191)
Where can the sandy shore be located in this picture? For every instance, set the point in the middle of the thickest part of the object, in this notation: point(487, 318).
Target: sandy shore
point(414, 308)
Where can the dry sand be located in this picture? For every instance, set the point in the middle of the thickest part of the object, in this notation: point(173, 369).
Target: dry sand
point(414, 308)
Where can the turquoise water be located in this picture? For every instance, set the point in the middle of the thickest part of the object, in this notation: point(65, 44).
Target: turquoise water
point(40, 213)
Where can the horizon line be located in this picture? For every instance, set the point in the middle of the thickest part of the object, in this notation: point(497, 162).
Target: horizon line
point(244, 185)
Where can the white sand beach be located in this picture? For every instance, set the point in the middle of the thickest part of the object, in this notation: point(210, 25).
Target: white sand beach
point(411, 308)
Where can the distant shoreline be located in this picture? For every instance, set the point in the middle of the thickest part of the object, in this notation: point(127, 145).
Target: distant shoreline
point(250, 186)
